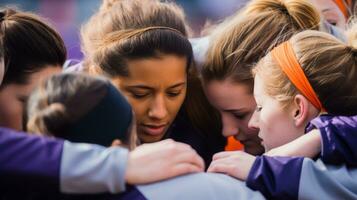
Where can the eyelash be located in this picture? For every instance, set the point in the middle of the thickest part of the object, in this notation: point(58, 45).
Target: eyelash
point(22, 99)
point(138, 96)
point(332, 23)
point(258, 108)
point(173, 94)
point(239, 116)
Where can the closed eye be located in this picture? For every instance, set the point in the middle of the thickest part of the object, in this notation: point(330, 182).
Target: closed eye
point(139, 95)
point(173, 93)
point(258, 108)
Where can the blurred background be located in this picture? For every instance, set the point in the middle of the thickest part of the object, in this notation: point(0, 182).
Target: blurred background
point(68, 15)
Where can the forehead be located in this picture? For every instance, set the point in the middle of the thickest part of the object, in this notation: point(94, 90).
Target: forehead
point(229, 95)
point(324, 4)
point(259, 87)
point(157, 71)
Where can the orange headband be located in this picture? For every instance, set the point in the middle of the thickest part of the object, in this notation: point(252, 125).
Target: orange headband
point(285, 57)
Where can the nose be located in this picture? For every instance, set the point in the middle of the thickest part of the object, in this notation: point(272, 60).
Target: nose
point(254, 121)
point(158, 109)
point(230, 127)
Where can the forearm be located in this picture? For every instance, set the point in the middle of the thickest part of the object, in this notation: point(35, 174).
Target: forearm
point(308, 145)
point(339, 139)
point(29, 160)
point(321, 181)
point(40, 163)
point(276, 177)
point(92, 169)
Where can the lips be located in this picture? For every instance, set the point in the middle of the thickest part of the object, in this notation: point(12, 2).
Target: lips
point(154, 130)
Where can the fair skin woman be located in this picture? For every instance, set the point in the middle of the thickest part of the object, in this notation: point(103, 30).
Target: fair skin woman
point(292, 86)
point(330, 12)
point(236, 105)
point(41, 56)
point(13, 97)
point(277, 126)
point(235, 46)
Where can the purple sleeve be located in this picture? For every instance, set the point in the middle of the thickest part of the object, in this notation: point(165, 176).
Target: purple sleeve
point(29, 161)
point(339, 139)
point(276, 177)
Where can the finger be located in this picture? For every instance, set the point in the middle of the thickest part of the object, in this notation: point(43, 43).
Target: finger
point(222, 168)
point(182, 146)
point(184, 168)
point(223, 154)
point(190, 157)
point(116, 142)
point(227, 161)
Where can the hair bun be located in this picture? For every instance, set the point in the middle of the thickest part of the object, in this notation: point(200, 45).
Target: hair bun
point(302, 12)
point(49, 119)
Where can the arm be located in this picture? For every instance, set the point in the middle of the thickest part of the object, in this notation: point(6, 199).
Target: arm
point(45, 163)
point(339, 139)
point(308, 145)
point(334, 136)
point(320, 181)
point(23, 158)
point(276, 177)
point(297, 178)
point(40, 163)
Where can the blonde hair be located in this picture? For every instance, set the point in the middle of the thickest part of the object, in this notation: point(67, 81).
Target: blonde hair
point(329, 65)
point(107, 4)
point(241, 41)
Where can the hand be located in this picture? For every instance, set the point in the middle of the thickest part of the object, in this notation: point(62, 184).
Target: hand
point(161, 160)
point(116, 143)
point(233, 163)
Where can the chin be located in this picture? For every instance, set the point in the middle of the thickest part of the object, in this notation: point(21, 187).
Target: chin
point(255, 151)
point(150, 139)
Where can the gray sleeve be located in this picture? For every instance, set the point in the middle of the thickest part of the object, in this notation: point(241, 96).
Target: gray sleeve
point(207, 186)
point(87, 168)
point(321, 181)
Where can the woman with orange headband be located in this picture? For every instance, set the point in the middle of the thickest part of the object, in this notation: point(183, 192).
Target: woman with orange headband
point(311, 75)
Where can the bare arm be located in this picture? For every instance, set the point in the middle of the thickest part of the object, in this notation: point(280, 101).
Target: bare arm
point(308, 145)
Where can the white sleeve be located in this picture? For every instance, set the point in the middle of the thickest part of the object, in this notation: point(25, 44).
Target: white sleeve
point(89, 168)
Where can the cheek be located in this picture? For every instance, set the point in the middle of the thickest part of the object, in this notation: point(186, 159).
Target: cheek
point(139, 107)
point(266, 121)
point(244, 125)
point(174, 105)
point(270, 129)
point(276, 130)
point(11, 112)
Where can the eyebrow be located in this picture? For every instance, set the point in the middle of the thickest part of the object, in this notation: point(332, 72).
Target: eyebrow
point(327, 9)
point(145, 87)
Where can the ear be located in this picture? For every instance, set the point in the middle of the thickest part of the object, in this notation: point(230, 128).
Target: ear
point(300, 111)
